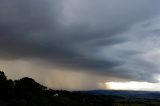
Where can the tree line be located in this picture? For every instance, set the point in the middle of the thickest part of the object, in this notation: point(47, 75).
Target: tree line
point(27, 92)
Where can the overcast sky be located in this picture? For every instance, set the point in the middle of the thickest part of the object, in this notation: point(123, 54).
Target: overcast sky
point(79, 44)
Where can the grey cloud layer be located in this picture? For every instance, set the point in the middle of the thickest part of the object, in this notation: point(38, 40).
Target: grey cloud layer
point(92, 35)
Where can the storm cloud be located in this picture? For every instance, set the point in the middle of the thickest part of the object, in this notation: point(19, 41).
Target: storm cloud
point(108, 38)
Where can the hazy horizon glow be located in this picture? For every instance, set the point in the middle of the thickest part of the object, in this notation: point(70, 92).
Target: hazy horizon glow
point(133, 85)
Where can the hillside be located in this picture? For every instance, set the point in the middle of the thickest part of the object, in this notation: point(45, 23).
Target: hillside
point(27, 92)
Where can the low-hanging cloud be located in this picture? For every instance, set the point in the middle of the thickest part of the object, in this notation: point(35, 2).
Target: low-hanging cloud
point(107, 37)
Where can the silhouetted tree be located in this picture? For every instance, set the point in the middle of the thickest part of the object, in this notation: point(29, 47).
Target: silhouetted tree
point(6, 87)
point(2, 76)
point(27, 87)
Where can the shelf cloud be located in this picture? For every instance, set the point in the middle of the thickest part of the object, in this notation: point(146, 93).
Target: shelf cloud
point(106, 38)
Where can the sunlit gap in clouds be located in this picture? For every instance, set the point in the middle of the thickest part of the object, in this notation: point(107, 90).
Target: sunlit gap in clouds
point(133, 85)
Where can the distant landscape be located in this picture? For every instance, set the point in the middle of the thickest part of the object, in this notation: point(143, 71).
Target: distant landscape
point(27, 92)
point(128, 94)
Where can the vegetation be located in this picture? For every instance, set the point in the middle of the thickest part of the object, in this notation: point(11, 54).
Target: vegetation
point(27, 92)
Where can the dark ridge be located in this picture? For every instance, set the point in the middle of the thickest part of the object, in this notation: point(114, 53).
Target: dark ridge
point(27, 92)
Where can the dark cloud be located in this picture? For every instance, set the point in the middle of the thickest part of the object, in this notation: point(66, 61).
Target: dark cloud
point(98, 36)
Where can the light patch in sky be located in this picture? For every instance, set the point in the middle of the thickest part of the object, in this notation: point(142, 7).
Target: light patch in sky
point(133, 85)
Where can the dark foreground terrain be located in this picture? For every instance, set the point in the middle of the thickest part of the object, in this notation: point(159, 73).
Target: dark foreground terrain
point(27, 92)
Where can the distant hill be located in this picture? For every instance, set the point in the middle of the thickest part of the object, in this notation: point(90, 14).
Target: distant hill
point(127, 94)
